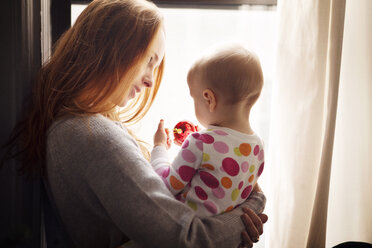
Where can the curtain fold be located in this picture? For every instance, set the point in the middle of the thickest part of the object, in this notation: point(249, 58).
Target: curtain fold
point(308, 153)
point(318, 224)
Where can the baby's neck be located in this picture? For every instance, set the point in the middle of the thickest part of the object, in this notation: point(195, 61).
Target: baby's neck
point(237, 120)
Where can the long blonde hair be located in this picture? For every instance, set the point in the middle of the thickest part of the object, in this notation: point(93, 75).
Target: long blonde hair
point(93, 62)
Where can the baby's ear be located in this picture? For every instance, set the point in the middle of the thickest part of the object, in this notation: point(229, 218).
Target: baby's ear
point(210, 98)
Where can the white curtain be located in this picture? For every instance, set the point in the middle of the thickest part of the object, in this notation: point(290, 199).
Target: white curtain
point(320, 163)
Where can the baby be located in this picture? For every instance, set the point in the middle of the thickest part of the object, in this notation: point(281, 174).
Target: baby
point(218, 167)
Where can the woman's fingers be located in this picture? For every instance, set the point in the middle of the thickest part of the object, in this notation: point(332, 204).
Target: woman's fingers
point(250, 227)
point(247, 242)
point(263, 217)
point(255, 219)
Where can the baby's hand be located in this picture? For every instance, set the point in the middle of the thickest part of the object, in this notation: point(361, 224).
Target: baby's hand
point(161, 137)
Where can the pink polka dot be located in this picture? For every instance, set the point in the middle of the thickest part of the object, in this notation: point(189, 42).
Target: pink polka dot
point(195, 135)
point(218, 192)
point(209, 179)
point(246, 192)
point(221, 147)
point(188, 156)
point(186, 172)
point(220, 132)
point(163, 171)
point(240, 185)
point(230, 166)
point(210, 206)
point(201, 193)
point(199, 144)
point(256, 150)
point(260, 169)
point(185, 144)
point(245, 166)
point(261, 155)
point(206, 138)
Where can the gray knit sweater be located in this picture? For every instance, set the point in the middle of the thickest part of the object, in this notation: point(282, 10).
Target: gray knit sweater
point(106, 192)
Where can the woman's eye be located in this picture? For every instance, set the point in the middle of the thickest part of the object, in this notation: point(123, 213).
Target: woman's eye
point(150, 60)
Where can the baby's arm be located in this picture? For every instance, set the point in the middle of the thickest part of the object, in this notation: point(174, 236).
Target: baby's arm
point(180, 172)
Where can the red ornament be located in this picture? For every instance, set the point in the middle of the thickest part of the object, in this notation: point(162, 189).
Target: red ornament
point(182, 130)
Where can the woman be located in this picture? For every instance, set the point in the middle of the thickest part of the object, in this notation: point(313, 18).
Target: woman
point(96, 170)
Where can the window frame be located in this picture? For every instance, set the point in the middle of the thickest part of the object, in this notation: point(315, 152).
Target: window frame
point(201, 2)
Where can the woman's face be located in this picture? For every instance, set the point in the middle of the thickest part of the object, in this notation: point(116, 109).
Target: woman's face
point(145, 78)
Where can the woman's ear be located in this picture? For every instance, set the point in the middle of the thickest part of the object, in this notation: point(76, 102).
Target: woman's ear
point(210, 99)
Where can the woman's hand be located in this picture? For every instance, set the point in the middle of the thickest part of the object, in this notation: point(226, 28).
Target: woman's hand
point(161, 137)
point(253, 227)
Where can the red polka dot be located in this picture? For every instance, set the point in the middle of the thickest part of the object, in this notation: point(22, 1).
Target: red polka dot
point(246, 192)
point(230, 166)
point(209, 179)
point(186, 172)
point(240, 185)
point(260, 169)
point(206, 138)
point(256, 150)
point(201, 193)
point(195, 135)
point(185, 144)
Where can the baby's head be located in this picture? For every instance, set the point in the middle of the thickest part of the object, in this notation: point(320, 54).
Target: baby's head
point(230, 76)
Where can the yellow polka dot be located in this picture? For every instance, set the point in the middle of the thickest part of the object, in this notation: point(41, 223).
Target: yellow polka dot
point(206, 157)
point(226, 182)
point(208, 166)
point(235, 194)
point(176, 184)
point(250, 179)
point(245, 149)
point(192, 205)
point(251, 169)
point(237, 152)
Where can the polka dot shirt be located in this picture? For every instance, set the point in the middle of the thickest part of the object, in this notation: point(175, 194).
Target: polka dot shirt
point(215, 170)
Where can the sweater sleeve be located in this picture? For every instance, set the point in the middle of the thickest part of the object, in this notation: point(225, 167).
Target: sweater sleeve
point(179, 173)
point(109, 163)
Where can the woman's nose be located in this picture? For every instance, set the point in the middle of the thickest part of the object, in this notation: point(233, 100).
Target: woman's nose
point(148, 82)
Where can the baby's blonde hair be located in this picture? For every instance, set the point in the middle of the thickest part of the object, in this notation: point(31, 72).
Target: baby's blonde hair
point(232, 72)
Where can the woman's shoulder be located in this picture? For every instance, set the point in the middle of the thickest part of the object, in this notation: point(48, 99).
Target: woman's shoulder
point(75, 130)
point(83, 125)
